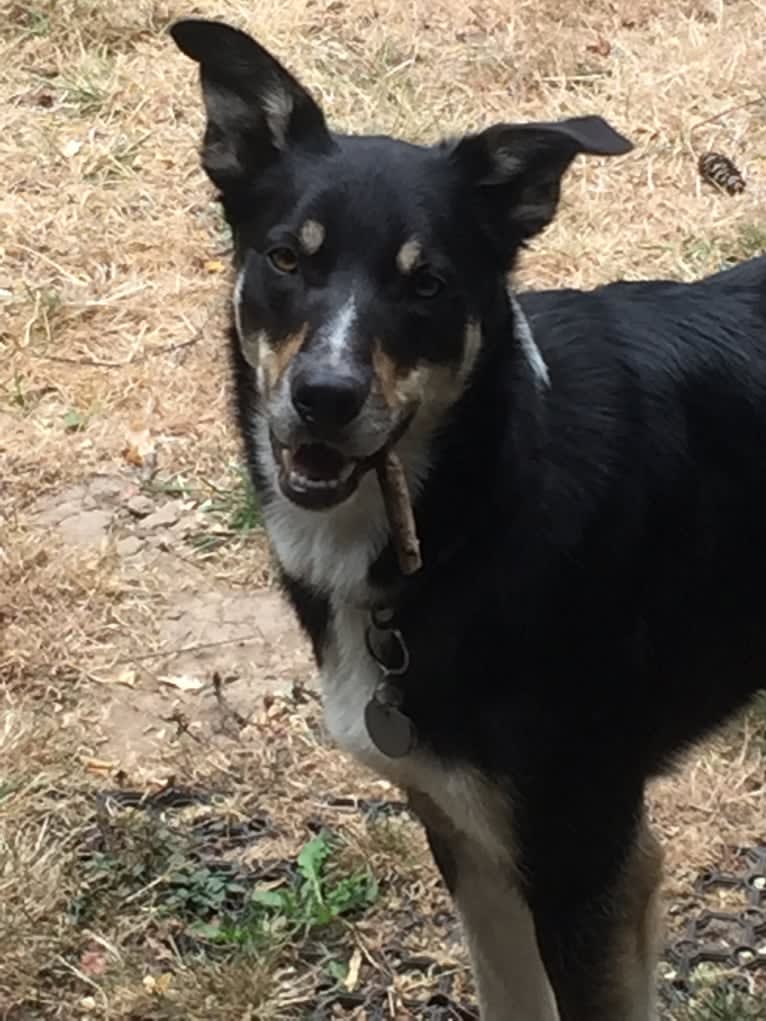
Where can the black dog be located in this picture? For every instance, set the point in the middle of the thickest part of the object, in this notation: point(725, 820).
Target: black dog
point(589, 478)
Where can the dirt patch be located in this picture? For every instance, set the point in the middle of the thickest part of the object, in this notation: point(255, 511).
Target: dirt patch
point(239, 647)
point(216, 649)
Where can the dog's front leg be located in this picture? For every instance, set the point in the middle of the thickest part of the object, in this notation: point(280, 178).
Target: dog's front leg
point(597, 935)
point(510, 977)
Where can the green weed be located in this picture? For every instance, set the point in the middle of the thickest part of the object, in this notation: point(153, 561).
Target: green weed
point(752, 240)
point(234, 511)
point(16, 393)
point(75, 421)
point(709, 254)
point(33, 22)
point(175, 485)
point(141, 861)
point(721, 1004)
point(318, 898)
point(120, 161)
point(86, 91)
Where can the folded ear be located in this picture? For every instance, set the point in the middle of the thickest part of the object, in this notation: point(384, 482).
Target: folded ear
point(517, 168)
point(255, 108)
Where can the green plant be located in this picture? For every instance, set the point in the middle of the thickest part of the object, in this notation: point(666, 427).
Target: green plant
point(315, 900)
point(17, 392)
point(722, 1004)
point(752, 240)
point(118, 161)
point(143, 861)
point(75, 421)
point(235, 511)
point(175, 485)
point(87, 89)
point(30, 20)
point(49, 310)
point(337, 971)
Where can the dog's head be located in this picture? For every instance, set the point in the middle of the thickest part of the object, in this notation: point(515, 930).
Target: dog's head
point(367, 266)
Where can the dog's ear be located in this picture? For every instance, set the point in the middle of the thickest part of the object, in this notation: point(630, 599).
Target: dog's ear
point(255, 107)
point(517, 168)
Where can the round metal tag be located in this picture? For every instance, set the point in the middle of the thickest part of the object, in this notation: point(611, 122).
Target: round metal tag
point(392, 733)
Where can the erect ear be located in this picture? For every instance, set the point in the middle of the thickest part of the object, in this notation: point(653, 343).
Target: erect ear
point(517, 168)
point(255, 108)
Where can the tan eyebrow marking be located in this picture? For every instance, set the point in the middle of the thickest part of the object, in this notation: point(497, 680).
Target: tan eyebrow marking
point(312, 236)
point(408, 255)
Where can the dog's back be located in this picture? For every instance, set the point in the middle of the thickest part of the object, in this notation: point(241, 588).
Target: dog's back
point(655, 464)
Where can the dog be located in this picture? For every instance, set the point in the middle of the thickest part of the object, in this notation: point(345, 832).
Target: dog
point(588, 476)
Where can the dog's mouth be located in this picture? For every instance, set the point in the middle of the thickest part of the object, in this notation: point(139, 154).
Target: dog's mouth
point(316, 475)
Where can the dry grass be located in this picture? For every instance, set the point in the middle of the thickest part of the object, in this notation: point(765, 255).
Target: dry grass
point(113, 284)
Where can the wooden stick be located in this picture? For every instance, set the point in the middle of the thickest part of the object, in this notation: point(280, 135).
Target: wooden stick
point(396, 498)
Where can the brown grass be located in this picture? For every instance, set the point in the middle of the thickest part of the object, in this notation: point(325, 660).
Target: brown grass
point(113, 288)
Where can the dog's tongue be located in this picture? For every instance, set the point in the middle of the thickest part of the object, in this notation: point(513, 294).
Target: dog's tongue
point(318, 462)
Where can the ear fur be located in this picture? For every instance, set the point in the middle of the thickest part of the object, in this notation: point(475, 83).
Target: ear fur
point(255, 108)
point(518, 168)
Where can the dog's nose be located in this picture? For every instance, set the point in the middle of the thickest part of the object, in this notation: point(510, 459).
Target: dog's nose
point(327, 400)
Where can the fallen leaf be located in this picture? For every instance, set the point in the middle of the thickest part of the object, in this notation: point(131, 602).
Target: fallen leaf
point(70, 148)
point(163, 982)
point(603, 48)
point(126, 676)
point(352, 977)
point(100, 765)
point(215, 266)
point(184, 682)
point(93, 962)
point(139, 447)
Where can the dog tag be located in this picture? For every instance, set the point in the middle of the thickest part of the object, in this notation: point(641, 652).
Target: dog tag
point(392, 733)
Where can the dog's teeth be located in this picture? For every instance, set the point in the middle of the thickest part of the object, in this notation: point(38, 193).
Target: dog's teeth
point(287, 459)
point(303, 482)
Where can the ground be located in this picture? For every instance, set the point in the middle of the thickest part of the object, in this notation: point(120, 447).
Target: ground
point(178, 840)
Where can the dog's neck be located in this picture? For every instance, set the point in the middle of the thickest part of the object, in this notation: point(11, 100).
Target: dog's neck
point(492, 435)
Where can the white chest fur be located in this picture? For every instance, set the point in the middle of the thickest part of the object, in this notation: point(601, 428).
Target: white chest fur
point(349, 677)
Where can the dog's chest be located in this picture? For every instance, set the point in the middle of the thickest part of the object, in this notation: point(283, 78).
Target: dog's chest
point(331, 553)
point(474, 805)
point(349, 679)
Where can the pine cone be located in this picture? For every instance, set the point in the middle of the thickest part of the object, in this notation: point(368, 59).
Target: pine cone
point(720, 171)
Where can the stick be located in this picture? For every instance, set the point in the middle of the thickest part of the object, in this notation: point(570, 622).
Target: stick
point(396, 498)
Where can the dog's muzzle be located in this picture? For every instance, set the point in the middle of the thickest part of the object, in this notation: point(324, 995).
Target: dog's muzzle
point(329, 433)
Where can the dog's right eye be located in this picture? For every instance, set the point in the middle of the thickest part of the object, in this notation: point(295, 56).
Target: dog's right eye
point(427, 284)
point(283, 259)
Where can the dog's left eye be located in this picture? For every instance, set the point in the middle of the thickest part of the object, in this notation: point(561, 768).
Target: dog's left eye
point(284, 259)
point(427, 284)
